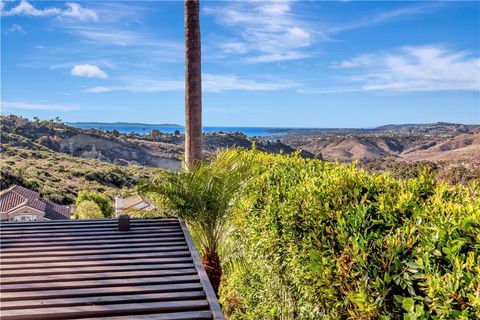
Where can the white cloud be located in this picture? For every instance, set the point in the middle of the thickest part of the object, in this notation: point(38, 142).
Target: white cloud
point(89, 71)
point(298, 37)
point(15, 28)
point(210, 83)
point(384, 17)
point(266, 29)
point(24, 8)
point(219, 83)
point(74, 10)
point(410, 69)
point(234, 47)
point(36, 106)
point(276, 57)
point(137, 85)
point(276, 30)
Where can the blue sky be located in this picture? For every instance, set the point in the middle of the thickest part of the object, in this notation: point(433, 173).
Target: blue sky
point(275, 63)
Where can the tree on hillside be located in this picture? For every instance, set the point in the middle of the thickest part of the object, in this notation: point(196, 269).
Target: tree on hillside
point(155, 134)
point(193, 84)
point(88, 210)
point(104, 202)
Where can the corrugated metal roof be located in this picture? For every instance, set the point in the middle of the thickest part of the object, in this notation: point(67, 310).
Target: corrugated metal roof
point(85, 269)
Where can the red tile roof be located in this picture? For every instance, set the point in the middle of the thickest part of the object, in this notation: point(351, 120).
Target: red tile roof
point(19, 196)
point(10, 200)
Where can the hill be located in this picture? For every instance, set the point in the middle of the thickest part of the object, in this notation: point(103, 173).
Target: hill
point(59, 177)
point(428, 142)
point(58, 160)
point(154, 148)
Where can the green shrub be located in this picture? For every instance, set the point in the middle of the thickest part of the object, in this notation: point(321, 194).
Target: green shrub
point(104, 202)
point(321, 240)
point(88, 209)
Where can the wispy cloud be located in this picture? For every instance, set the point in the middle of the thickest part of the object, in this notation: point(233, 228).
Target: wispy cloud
point(18, 105)
point(384, 16)
point(73, 10)
point(219, 83)
point(410, 69)
point(15, 28)
point(24, 8)
point(278, 56)
point(210, 83)
point(112, 35)
point(89, 71)
point(273, 31)
point(266, 29)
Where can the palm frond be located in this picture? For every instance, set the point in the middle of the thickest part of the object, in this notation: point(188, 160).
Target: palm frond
point(206, 195)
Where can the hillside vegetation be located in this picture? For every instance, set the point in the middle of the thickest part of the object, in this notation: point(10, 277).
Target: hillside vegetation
point(59, 177)
point(59, 161)
point(316, 240)
point(433, 142)
point(155, 149)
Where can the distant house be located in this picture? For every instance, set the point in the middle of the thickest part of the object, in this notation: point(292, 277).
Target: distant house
point(21, 204)
point(133, 203)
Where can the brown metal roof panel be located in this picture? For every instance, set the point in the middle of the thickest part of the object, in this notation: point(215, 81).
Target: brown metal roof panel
point(104, 278)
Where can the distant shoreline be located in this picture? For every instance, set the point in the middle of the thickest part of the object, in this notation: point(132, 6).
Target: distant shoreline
point(73, 124)
point(145, 128)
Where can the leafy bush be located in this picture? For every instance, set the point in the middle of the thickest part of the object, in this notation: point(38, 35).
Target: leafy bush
point(88, 209)
point(104, 202)
point(321, 240)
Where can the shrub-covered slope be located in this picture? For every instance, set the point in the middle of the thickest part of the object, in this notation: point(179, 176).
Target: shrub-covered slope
point(320, 240)
point(59, 177)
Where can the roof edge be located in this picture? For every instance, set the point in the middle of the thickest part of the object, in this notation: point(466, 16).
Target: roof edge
point(8, 189)
point(207, 286)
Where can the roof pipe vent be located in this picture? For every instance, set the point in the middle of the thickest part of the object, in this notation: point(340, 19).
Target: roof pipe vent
point(124, 222)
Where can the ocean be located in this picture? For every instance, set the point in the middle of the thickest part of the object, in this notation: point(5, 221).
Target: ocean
point(141, 128)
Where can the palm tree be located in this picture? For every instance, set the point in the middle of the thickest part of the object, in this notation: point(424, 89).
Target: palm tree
point(205, 196)
point(193, 84)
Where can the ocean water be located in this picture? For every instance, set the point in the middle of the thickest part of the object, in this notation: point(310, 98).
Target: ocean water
point(146, 128)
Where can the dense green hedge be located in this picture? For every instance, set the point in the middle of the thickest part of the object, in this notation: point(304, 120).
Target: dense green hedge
point(321, 240)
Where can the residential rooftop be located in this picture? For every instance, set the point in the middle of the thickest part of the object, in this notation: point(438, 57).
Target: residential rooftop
point(86, 269)
point(21, 202)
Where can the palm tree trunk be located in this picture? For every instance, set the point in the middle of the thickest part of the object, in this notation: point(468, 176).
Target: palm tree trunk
point(193, 84)
point(211, 263)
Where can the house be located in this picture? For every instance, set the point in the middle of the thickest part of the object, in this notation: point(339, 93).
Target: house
point(103, 269)
point(21, 204)
point(133, 203)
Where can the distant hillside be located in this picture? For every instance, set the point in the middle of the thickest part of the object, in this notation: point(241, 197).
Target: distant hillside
point(154, 149)
point(438, 128)
point(461, 147)
point(410, 142)
point(58, 160)
point(59, 177)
